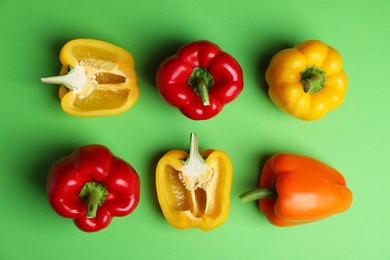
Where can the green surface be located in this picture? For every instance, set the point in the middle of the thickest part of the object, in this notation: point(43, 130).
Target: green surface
point(35, 132)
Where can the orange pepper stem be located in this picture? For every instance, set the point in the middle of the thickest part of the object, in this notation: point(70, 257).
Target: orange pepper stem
point(259, 193)
point(201, 81)
point(93, 194)
point(313, 79)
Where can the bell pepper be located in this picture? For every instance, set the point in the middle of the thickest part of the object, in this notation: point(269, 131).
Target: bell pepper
point(307, 81)
point(199, 79)
point(97, 79)
point(295, 189)
point(91, 186)
point(193, 189)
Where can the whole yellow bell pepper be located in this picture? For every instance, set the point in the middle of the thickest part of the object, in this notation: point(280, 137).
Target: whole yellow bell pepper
point(193, 189)
point(307, 81)
point(98, 78)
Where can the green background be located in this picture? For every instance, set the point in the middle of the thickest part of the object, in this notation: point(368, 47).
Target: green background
point(35, 132)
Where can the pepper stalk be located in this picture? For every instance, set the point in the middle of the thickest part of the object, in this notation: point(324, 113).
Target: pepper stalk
point(93, 194)
point(201, 81)
point(259, 193)
point(81, 79)
point(195, 173)
point(313, 79)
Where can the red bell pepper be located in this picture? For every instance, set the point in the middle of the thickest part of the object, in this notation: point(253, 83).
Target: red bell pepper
point(200, 79)
point(91, 186)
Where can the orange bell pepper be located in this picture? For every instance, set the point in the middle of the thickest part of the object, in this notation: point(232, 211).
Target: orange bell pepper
point(193, 189)
point(296, 189)
point(307, 81)
point(101, 81)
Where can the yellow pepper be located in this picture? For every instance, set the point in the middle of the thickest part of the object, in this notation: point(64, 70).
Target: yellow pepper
point(193, 189)
point(307, 80)
point(100, 78)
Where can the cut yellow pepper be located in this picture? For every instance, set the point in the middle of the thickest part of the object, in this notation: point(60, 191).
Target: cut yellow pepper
point(308, 80)
point(97, 78)
point(193, 189)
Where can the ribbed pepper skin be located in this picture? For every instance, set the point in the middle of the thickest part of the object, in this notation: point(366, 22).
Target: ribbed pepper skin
point(304, 95)
point(87, 164)
point(174, 74)
point(307, 190)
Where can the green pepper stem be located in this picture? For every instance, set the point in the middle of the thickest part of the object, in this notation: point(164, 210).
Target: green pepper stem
point(201, 81)
point(93, 194)
point(259, 193)
point(203, 92)
point(313, 79)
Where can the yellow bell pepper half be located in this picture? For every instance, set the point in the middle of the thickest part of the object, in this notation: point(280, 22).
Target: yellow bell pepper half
point(97, 78)
point(307, 81)
point(193, 189)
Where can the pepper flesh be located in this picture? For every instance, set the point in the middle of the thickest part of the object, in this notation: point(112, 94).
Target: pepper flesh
point(194, 193)
point(200, 79)
point(295, 189)
point(91, 186)
point(101, 80)
point(307, 81)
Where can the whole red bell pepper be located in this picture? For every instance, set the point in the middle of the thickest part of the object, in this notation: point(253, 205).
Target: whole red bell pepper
point(91, 186)
point(200, 79)
point(295, 189)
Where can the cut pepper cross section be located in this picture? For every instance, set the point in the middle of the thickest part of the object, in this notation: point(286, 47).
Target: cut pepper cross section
point(97, 78)
point(194, 189)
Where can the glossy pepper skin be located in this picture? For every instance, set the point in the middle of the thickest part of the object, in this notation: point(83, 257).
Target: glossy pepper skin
point(200, 79)
point(98, 79)
point(308, 80)
point(295, 189)
point(193, 189)
point(91, 186)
